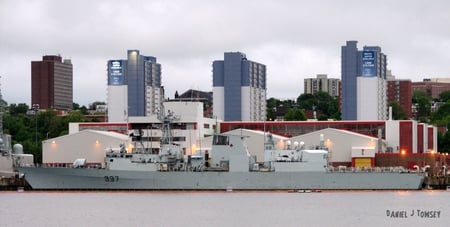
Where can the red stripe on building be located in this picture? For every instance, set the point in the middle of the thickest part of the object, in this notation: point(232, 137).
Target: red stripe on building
point(420, 138)
point(405, 133)
point(430, 138)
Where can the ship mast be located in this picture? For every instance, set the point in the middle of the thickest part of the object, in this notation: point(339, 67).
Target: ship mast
point(167, 121)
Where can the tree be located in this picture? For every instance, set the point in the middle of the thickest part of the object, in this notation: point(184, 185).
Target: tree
point(306, 101)
point(295, 115)
point(83, 110)
point(423, 105)
point(50, 124)
point(271, 105)
point(444, 96)
point(276, 107)
point(397, 111)
point(74, 116)
point(15, 109)
point(442, 116)
point(444, 142)
point(75, 106)
point(320, 101)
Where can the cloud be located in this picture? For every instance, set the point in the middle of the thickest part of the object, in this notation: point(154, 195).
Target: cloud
point(294, 39)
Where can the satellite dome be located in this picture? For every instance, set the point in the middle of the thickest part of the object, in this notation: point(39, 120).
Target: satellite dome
point(18, 149)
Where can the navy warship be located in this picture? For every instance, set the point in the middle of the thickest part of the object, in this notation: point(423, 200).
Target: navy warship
point(227, 166)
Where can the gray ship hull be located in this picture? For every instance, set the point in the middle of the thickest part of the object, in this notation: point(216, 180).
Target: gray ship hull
point(90, 178)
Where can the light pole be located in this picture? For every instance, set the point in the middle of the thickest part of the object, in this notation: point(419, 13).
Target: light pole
point(35, 108)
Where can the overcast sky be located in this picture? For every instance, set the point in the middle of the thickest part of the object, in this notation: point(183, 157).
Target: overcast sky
point(294, 39)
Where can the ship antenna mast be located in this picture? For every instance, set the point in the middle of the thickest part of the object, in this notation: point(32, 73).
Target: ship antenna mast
point(167, 121)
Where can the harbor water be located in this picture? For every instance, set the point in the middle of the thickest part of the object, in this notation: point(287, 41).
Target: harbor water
point(236, 208)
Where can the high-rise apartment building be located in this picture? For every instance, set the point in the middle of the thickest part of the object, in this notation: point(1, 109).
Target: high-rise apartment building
point(323, 84)
point(134, 87)
point(350, 69)
point(52, 83)
point(363, 83)
point(239, 88)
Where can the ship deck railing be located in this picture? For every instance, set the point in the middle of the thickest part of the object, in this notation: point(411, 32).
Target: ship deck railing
point(69, 165)
point(391, 169)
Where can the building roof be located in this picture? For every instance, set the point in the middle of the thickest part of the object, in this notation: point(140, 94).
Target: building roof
point(104, 133)
point(110, 134)
point(324, 131)
point(195, 95)
point(256, 132)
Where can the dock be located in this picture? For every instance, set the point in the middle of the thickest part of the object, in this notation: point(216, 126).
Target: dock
point(437, 182)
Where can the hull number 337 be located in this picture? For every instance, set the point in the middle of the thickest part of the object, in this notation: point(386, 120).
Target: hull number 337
point(111, 178)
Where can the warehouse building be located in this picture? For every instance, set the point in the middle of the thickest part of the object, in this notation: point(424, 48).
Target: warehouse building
point(90, 145)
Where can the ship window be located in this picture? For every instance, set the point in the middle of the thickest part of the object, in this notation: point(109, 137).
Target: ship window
point(111, 160)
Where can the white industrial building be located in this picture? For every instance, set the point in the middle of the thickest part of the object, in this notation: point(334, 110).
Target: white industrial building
point(87, 144)
point(343, 146)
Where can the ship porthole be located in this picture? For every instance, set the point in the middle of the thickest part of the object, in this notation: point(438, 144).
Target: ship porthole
point(111, 160)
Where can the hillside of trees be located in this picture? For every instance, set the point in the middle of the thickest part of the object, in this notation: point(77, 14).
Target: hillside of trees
point(29, 129)
point(326, 107)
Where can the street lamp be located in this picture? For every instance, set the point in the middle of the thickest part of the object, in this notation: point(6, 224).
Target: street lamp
point(35, 108)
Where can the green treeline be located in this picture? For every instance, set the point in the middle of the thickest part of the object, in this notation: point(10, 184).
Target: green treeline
point(30, 129)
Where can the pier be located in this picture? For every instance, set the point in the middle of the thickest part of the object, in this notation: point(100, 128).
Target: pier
point(436, 182)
